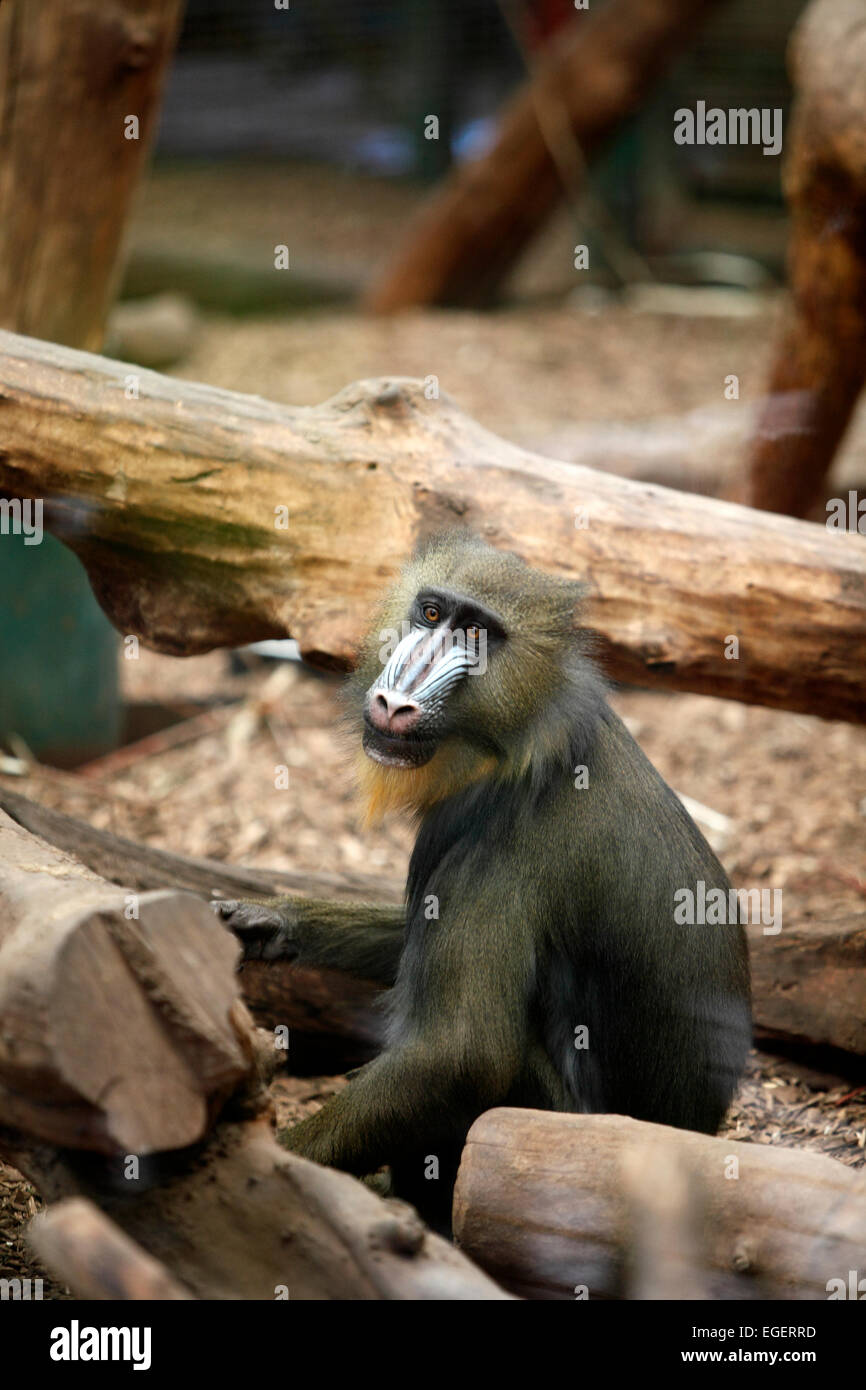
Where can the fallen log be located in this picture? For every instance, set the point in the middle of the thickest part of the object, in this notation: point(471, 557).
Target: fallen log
point(590, 79)
point(809, 984)
point(173, 496)
point(334, 1013)
point(134, 865)
point(122, 1041)
point(550, 1205)
point(809, 981)
point(239, 1217)
point(121, 1025)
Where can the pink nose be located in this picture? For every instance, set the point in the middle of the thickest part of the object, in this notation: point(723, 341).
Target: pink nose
point(392, 712)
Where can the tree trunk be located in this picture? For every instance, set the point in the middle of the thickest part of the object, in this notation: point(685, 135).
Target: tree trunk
point(175, 499)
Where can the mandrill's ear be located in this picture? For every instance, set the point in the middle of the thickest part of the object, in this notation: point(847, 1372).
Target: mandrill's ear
point(577, 592)
point(572, 591)
point(553, 603)
point(451, 542)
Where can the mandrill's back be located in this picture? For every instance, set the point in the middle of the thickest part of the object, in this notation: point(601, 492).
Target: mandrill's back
point(664, 1002)
point(629, 1011)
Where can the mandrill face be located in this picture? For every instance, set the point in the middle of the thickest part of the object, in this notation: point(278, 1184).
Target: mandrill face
point(468, 672)
point(410, 706)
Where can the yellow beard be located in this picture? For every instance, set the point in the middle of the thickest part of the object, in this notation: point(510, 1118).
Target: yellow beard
point(384, 789)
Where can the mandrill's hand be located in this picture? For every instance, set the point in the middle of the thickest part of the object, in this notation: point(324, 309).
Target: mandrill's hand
point(266, 931)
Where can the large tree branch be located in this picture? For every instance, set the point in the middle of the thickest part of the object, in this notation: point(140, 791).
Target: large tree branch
point(169, 498)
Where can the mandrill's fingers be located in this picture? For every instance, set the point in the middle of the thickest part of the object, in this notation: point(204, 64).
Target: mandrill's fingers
point(223, 907)
point(265, 931)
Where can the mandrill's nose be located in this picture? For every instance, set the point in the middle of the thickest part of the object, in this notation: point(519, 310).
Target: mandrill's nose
point(393, 713)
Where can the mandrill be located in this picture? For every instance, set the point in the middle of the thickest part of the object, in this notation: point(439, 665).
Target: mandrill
point(538, 961)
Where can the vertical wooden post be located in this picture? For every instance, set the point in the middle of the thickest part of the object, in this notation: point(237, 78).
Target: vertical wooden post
point(80, 82)
point(820, 363)
point(819, 368)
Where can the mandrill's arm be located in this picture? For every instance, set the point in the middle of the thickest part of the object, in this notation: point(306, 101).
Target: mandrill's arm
point(462, 1045)
point(364, 940)
point(387, 1105)
point(408, 1096)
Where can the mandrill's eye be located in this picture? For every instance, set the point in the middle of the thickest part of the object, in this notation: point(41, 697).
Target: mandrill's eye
point(431, 613)
point(473, 633)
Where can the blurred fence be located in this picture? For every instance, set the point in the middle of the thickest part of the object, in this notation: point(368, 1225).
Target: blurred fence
point(350, 82)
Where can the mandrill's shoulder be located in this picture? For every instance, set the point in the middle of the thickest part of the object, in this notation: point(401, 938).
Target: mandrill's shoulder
point(630, 816)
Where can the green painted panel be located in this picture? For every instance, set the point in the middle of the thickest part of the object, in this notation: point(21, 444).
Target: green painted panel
point(58, 654)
